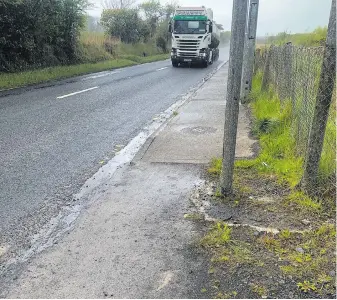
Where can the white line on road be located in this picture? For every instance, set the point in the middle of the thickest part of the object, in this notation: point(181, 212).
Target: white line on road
point(79, 92)
point(100, 75)
point(162, 69)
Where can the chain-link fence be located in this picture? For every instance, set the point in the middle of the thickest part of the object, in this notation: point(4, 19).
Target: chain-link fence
point(293, 73)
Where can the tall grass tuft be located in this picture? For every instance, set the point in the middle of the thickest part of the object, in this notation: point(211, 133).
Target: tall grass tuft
point(274, 125)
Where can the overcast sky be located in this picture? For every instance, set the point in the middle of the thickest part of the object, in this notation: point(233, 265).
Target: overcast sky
point(274, 15)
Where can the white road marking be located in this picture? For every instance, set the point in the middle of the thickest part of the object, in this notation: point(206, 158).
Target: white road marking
point(79, 92)
point(100, 75)
point(162, 69)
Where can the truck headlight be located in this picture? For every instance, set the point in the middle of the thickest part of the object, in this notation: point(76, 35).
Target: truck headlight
point(202, 52)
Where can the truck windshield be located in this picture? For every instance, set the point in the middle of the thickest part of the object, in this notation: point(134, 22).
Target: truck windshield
point(183, 27)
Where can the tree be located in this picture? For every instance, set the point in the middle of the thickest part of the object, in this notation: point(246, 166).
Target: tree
point(162, 35)
point(118, 4)
point(124, 24)
point(169, 9)
point(128, 25)
point(152, 9)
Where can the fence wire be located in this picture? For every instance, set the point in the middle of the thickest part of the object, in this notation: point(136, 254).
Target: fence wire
point(293, 73)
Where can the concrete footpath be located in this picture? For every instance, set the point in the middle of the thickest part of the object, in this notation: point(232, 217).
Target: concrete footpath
point(133, 242)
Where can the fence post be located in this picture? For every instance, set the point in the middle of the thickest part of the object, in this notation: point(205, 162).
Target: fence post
point(245, 52)
point(289, 72)
point(323, 102)
point(257, 61)
point(239, 17)
point(266, 71)
point(248, 62)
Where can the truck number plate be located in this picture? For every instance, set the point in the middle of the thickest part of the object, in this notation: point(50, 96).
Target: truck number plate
point(187, 59)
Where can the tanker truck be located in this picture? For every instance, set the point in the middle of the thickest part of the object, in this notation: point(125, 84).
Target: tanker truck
point(195, 36)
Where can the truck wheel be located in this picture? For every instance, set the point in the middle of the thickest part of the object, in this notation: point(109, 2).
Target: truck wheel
point(204, 64)
point(175, 64)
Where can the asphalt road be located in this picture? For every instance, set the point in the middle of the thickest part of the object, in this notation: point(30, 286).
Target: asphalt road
point(52, 139)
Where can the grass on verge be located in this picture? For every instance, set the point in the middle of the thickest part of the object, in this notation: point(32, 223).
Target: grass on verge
point(13, 80)
point(297, 262)
point(278, 156)
point(302, 262)
point(278, 153)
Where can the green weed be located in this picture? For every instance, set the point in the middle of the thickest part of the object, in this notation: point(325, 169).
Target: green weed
point(304, 202)
point(307, 286)
point(218, 193)
point(234, 253)
point(308, 256)
point(285, 234)
point(216, 166)
point(283, 132)
point(218, 236)
point(278, 155)
point(240, 253)
point(260, 290)
point(269, 241)
point(230, 295)
point(245, 164)
point(327, 166)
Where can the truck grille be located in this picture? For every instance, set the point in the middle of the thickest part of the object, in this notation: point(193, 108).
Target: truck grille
point(188, 48)
point(187, 54)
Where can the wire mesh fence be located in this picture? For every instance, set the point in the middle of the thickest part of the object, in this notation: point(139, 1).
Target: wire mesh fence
point(293, 74)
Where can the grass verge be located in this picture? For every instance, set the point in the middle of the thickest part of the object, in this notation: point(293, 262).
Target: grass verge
point(279, 155)
point(295, 260)
point(279, 242)
point(14, 80)
point(249, 264)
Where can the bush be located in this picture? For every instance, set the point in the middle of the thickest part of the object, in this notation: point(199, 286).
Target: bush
point(38, 33)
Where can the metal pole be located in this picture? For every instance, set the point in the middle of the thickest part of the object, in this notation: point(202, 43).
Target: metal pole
point(248, 61)
point(323, 102)
point(239, 17)
point(245, 52)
